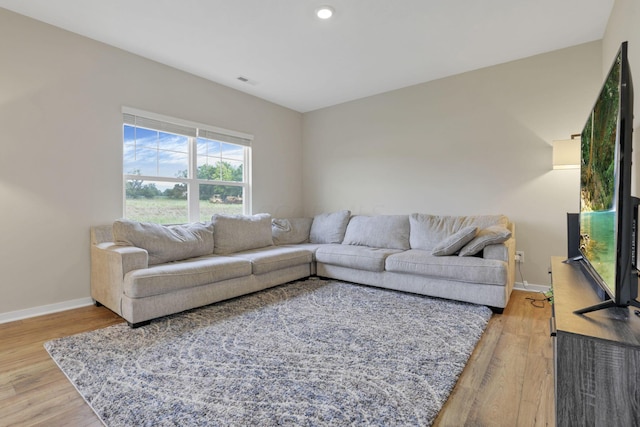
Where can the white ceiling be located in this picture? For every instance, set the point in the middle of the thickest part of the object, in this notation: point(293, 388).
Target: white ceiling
point(296, 60)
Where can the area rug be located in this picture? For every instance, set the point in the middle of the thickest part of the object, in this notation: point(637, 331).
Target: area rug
point(311, 353)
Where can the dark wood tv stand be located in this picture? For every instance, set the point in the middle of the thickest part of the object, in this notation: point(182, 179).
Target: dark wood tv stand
point(596, 355)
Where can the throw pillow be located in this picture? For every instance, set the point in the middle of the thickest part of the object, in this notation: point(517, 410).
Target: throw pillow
point(380, 231)
point(165, 243)
point(455, 242)
point(427, 231)
point(329, 227)
point(235, 233)
point(487, 236)
point(290, 231)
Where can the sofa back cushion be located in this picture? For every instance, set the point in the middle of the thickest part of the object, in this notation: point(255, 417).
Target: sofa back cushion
point(427, 231)
point(165, 243)
point(329, 227)
point(290, 231)
point(380, 231)
point(235, 233)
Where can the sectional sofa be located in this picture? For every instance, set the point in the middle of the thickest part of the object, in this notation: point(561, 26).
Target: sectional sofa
point(143, 271)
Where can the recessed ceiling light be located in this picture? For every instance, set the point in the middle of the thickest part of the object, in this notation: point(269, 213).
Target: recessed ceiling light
point(324, 12)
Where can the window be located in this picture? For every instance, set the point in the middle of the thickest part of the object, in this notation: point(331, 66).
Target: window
point(177, 171)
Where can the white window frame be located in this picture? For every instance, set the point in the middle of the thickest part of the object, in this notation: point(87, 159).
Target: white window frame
point(194, 131)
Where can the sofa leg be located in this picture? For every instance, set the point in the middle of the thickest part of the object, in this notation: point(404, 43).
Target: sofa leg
point(497, 310)
point(138, 324)
point(97, 303)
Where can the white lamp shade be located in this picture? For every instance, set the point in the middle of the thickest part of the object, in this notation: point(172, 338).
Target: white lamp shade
point(566, 154)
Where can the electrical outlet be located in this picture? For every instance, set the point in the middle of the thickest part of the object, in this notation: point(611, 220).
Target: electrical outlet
point(520, 257)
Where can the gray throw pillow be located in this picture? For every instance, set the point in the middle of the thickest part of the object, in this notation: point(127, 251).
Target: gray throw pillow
point(235, 233)
point(290, 231)
point(165, 243)
point(427, 231)
point(455, 242)
point(329, 227)
point(486, 236)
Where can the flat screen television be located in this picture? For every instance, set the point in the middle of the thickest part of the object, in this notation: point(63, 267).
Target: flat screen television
point(608, 211)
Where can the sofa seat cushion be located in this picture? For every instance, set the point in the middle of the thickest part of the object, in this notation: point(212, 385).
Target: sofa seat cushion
point(311, 247)
point(357, 257)
point(275, 258)
point(464, 269)
point(165, 278)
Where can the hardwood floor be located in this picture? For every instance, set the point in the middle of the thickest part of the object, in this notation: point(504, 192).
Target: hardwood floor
point(33, 391)
point(508, 380)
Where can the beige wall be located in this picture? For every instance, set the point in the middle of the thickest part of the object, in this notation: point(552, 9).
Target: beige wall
point(475, 143)
point(61, 157)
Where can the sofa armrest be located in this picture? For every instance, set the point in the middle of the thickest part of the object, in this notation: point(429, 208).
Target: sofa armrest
point(500, 251)
point(131, 257)
point(109, 264)
point(505, 252)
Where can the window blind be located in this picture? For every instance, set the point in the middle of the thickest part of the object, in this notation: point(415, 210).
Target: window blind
point(158, 125)
point(203, 133)
point(185, 129)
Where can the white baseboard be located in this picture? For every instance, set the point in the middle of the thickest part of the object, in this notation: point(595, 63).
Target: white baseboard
point(12, 316)
point(528, 287)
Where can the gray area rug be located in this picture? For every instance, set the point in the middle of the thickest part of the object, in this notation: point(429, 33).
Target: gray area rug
point(310, 353)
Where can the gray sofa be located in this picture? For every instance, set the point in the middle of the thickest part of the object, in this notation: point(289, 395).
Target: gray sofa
point(143, 271)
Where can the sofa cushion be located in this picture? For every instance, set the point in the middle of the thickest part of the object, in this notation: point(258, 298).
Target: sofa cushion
point(274, 258)
point(329, 227)
point(357, 257)
point(165, 278)
point(429, 230)
point(486, 236)
point(463, 269)
point(380, 231)
point(311, 247)
point(165, 243)
point(455, 242)
point(235, 233)
point(290, 231)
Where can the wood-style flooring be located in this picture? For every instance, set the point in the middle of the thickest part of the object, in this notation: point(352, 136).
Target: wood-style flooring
point(508, 380)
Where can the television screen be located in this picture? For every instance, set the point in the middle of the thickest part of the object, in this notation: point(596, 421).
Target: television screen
point(599, 181)
point(608, 212)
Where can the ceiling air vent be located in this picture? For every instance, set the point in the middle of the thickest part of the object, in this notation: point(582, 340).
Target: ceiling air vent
point(246, 80)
